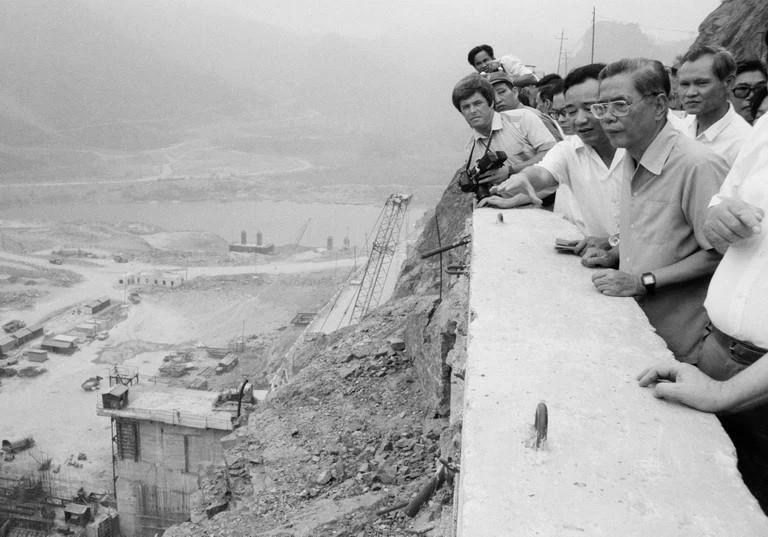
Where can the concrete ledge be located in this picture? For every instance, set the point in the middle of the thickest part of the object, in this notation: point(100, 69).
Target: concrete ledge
point(617, 461)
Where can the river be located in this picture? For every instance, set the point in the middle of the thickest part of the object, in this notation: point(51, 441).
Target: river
point(279, 221)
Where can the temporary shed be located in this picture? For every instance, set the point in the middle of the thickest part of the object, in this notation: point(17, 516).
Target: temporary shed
point(116, 398)
point(7, 344)
point(36, 355)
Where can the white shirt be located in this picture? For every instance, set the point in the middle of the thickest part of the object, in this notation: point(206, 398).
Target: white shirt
point(679, 120)
point(519, 133)
point(514, 66)
point(596, 188)
point(726, 136)
point(737, 299)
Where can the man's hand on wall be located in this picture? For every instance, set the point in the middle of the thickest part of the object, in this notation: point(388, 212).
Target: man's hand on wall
point(505, 203)
point(600, 243)
point(684, 384)
point(731, 221)
point(517, 185)
point(617, 283)
point(594, 257)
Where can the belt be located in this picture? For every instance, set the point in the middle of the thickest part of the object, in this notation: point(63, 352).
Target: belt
point(741, 351)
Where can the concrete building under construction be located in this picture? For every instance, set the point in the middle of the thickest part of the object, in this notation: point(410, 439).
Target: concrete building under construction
point(161, 436)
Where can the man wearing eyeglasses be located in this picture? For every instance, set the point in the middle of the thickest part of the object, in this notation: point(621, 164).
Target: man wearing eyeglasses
point(750, 75)
point(664, 259)
point(706, 76)
point(586, 163)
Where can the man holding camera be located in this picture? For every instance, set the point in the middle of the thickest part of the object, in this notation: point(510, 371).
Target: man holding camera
point(519, 134)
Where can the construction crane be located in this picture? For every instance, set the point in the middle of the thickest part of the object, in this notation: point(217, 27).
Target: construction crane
point(302, 231)
point(382, 251)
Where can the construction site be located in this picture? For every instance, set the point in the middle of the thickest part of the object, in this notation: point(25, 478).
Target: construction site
point(143, 381)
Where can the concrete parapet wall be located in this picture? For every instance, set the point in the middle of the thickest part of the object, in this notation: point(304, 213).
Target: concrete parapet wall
point(617, 461)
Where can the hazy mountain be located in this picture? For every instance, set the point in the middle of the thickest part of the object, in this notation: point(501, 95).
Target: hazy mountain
point(616, 40)
point(62, 70)
point(140, 75)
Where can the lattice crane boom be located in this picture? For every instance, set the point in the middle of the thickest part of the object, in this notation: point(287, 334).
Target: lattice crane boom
point(383, 250)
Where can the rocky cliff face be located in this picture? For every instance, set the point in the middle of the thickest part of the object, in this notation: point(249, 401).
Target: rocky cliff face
point(346, 444)
point(739, 26)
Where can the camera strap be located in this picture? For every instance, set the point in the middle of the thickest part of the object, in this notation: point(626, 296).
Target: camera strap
point(487, 148)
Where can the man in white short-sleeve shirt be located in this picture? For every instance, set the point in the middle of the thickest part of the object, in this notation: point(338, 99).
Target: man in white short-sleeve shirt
point(587, 163)
point(706, 76)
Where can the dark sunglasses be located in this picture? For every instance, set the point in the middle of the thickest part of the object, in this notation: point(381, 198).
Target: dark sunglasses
point(742, 91)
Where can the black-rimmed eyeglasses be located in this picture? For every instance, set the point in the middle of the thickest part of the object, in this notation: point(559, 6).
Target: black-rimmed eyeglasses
point(742, 91)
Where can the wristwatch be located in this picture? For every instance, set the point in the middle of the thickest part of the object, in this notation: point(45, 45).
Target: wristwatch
point(649, 282)
point(614, 240)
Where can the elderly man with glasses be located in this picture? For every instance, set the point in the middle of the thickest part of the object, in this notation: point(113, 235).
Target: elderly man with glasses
point(664, 260)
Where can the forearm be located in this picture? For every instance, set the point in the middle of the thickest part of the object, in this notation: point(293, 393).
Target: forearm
point(747, 389)
point(522, 165)
point(541, 179)
point(701, 263)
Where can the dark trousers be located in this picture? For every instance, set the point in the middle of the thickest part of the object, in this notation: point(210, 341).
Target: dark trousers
point(748, 430)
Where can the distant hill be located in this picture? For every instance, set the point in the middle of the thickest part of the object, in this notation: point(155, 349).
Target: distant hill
point(140, 74)
point(616, 40)
point(739, 26)
point(62, 71)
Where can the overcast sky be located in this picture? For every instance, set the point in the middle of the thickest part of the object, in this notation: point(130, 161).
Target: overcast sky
point(499, 22)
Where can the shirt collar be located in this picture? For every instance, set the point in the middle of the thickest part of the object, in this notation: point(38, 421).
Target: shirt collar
point(579, 145)
point(656, 154)
point(716, 128)
point(495, 126)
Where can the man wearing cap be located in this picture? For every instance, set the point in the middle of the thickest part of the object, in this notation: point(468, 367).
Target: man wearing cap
point(507, 93)
point(518, 133)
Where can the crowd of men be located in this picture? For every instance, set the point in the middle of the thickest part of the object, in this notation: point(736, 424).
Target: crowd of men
point(665, 172)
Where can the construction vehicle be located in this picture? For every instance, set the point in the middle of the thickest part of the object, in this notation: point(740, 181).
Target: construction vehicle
point(12, 326)
point(55, 260)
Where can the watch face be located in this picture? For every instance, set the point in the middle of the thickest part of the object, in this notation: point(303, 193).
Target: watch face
point(613, 240)
point(648, 279)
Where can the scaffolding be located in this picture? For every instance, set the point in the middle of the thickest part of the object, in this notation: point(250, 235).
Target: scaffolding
point(382, 251)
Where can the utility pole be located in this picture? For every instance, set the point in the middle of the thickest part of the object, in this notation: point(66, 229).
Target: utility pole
point(560, 52)
point(592, 57)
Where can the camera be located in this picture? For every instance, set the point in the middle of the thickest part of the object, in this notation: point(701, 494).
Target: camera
point(469, 182)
